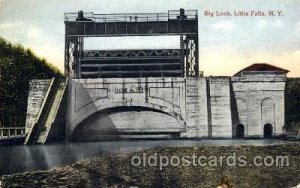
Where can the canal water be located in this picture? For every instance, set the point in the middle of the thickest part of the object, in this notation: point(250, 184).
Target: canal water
point(20, 158)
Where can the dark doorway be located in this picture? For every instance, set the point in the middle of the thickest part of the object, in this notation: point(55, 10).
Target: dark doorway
point(240, 131)
point(268, 130)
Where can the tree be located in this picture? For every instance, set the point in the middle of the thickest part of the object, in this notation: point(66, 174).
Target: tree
point(17, 67)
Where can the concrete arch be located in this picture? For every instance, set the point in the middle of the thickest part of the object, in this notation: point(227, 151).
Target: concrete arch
point(164, 96)
point(106, 104)
point(122, 109)
point(267, 100)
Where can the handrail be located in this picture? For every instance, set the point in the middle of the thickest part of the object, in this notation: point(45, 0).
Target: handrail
point(130, 17)
point(129, 50)
point(11, 132)
point(5, 128)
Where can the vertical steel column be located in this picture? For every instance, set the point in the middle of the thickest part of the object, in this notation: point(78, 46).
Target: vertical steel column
point(66, 63)
point(182, 49)
point(68, 56)
point(186, 54)
point(75, 58)
point(192, 56)
point(196, 40)
point(71, 56)
point(80, 54)
point(197, 66)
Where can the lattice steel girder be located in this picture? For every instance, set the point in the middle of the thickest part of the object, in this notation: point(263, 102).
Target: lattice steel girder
point(191, 55)
point(73, 51)
point(151, 53)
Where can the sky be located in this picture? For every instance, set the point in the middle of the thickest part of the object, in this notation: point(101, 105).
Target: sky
point(227, 44)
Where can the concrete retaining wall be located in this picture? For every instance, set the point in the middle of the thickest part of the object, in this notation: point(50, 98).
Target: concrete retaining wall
point(37, 92)
point(186, 107)
point(221, 121)
point(196, 108)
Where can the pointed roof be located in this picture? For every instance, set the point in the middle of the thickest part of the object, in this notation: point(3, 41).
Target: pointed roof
point(262, 67)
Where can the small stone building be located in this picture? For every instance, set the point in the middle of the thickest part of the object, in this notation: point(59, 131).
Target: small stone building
point(258, 105)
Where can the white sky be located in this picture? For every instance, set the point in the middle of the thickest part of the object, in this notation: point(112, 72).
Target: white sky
point(227, 44)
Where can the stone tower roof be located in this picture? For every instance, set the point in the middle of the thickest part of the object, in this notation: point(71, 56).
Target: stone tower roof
point(262, 67)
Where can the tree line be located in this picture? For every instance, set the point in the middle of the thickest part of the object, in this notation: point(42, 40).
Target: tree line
point(17, 67)
point(292, 104)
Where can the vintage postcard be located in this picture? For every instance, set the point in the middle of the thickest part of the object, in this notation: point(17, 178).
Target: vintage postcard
point(134, 93)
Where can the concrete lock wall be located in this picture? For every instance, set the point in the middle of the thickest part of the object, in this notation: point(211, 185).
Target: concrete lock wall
point(167, 107)
point(180, 105)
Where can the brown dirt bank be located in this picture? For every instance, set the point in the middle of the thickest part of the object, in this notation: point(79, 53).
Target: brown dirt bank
point(117, 171)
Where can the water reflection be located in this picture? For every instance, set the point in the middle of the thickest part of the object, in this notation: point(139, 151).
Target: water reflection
point(14, 159)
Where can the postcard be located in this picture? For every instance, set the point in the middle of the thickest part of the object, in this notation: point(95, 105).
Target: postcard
point(178, 93)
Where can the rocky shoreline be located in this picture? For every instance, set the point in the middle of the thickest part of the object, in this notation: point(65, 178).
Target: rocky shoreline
point(118, 171)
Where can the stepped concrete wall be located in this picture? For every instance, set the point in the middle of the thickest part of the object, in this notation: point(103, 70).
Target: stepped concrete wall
point(37, 92)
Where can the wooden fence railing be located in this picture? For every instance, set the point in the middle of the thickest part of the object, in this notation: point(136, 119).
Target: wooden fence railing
point(11, 132)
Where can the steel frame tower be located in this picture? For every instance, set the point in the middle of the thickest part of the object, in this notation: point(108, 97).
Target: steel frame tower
point(182, 62)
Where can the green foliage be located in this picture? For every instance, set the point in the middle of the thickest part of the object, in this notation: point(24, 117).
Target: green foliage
point(17, 67)
point(292, 104)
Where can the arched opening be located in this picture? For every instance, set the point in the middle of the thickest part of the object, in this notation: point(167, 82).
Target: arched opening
point(268, 130)
point(240, 131)
point(127, 122)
